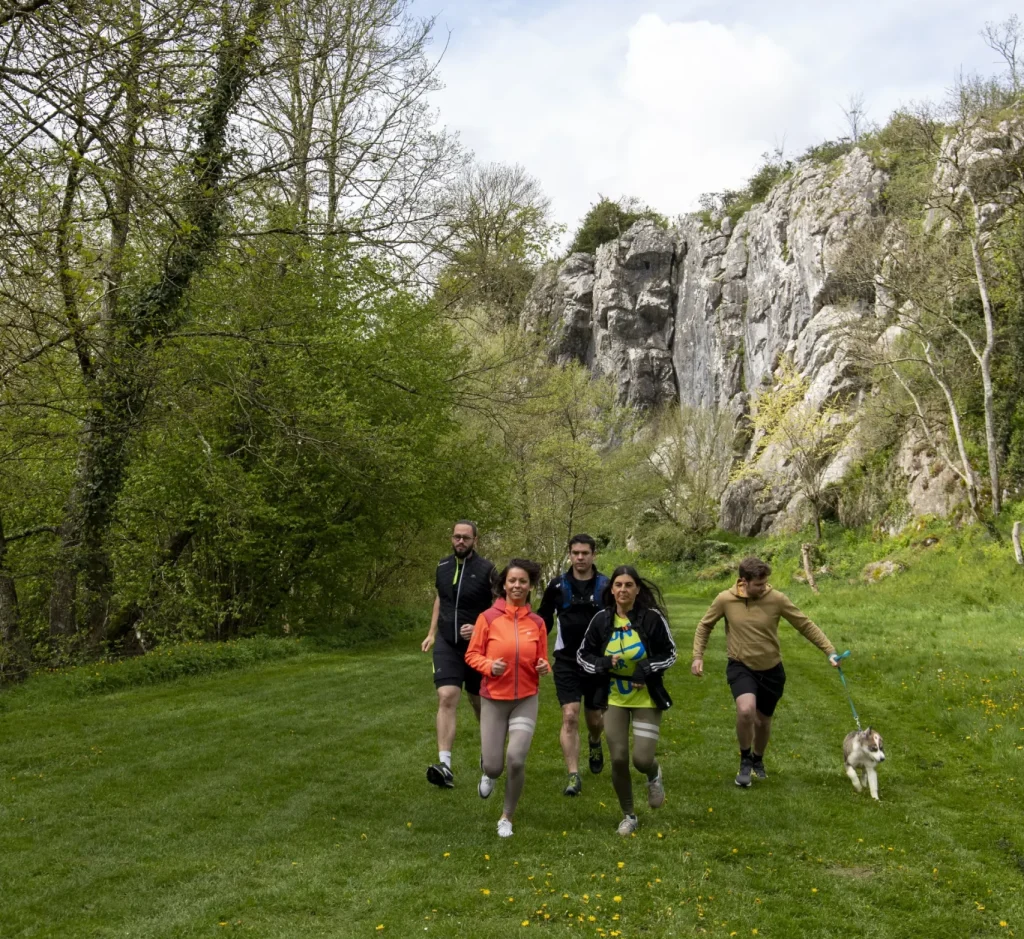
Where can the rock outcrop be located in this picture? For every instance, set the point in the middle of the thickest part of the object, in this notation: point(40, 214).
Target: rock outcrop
point(704, 316)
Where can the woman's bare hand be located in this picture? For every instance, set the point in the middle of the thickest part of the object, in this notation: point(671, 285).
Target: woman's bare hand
point(498, 667)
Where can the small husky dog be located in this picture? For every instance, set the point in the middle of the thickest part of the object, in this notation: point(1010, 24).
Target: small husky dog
point(863, 748)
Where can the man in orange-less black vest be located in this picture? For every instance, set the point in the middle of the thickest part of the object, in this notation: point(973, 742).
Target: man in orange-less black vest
point(463, 583)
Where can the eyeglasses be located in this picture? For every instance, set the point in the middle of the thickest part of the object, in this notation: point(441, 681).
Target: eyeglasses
point(462, 537)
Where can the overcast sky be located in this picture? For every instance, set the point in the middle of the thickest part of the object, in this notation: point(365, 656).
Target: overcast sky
point(666, 99)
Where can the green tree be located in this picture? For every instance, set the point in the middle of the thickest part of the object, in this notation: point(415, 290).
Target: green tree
point(794, 440)
point(607, 220)
point(499, 233)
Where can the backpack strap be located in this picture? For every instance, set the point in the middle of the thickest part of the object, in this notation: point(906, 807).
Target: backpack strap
point(566, 588)
point(600, 582)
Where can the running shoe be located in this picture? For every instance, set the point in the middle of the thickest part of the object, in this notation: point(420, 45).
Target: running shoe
point(575, 786)
point(596, 758)
point(759, 771)
point(656, 791)
point(440, 775)
point(628, 825)
point(504, 828)
point(746, 768)
point(485, 787)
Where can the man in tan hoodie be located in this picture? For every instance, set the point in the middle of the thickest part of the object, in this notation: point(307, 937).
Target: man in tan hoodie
point(755, 674)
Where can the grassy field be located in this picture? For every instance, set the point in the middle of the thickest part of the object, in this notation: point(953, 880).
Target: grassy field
point(288, 798)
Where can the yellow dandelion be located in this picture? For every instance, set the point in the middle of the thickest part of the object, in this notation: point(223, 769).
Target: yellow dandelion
point(735, 850)
point(617, 899)
point(1003, 922)
point(753, 932)
point(487, 857)
point(525, 922)
point(447, 854)
point(485, 891)
point(710, 809)
point(660, 835)
point(621, 865)
point(591, 919)
point(407, 825)
point(616, 916)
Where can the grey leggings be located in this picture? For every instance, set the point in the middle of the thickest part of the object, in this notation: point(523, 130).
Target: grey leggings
point(646, 730)
point(518, 720)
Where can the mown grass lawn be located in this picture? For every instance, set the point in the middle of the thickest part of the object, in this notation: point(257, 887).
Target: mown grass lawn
point(289, 799)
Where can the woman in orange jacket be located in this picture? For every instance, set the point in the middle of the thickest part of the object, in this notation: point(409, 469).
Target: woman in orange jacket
point(509, 649)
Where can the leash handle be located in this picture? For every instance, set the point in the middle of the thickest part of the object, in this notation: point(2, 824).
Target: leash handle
point(846, 688)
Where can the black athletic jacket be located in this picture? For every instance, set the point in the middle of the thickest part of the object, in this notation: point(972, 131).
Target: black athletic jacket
point(465, 593)
point(574, 609)
point(657, 639)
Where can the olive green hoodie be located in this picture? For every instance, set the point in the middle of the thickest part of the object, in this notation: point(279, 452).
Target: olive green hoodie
point(752, 627)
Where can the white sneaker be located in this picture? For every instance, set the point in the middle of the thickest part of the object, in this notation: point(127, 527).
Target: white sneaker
point(656, 791)
point(628, 825)
point(485, 787)
point(504, 828)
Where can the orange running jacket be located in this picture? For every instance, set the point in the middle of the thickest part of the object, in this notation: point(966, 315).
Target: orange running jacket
point(516, 635)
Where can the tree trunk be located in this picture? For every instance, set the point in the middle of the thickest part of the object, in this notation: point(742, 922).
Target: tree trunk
point(13, 655)
point(805, 553)
point(985, 361)
point(1017, 552)
point(958, 433)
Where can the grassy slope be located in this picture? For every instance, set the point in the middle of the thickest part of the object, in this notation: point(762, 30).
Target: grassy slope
point(289, 799)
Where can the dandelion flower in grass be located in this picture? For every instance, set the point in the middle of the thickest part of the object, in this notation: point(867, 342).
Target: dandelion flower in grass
point(447, 854)
point(591, 919)
point(487, 857)
point(814, 889)
point(617, 899)
point(621, 865)
point(485, 891)
point(525, 922)
point(1003, 922)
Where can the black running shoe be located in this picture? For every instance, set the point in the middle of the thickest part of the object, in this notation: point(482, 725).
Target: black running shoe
point(746, 768)
point(575, 786)
point(440, 775)
point(596, 758)
point(758, 768)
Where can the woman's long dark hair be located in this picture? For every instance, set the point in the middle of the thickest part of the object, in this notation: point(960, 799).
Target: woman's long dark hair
point(648, 596)
point(532, 569)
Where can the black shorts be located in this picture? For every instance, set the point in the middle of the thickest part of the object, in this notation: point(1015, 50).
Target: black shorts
point(572, 683)
point(767, 685)
point(450, 667)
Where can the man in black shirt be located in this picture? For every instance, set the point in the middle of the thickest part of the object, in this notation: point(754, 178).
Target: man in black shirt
point(463, 583)
point(575, 598)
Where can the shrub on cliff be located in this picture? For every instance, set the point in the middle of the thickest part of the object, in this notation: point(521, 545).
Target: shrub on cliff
point(607, 220)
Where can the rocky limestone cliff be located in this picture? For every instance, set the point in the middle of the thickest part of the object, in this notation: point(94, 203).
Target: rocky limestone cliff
point(703, 316)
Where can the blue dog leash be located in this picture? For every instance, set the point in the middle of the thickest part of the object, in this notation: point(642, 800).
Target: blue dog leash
point(842, 678)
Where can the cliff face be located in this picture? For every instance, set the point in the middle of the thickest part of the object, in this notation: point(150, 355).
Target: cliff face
point(704, 317)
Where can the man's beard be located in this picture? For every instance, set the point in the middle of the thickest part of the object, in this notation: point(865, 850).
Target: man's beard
point(462, 551)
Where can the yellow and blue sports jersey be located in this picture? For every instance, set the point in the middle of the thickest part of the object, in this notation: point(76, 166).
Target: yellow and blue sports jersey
point(625, 641)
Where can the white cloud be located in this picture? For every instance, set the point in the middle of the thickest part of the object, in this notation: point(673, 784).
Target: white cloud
point(604, 98)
